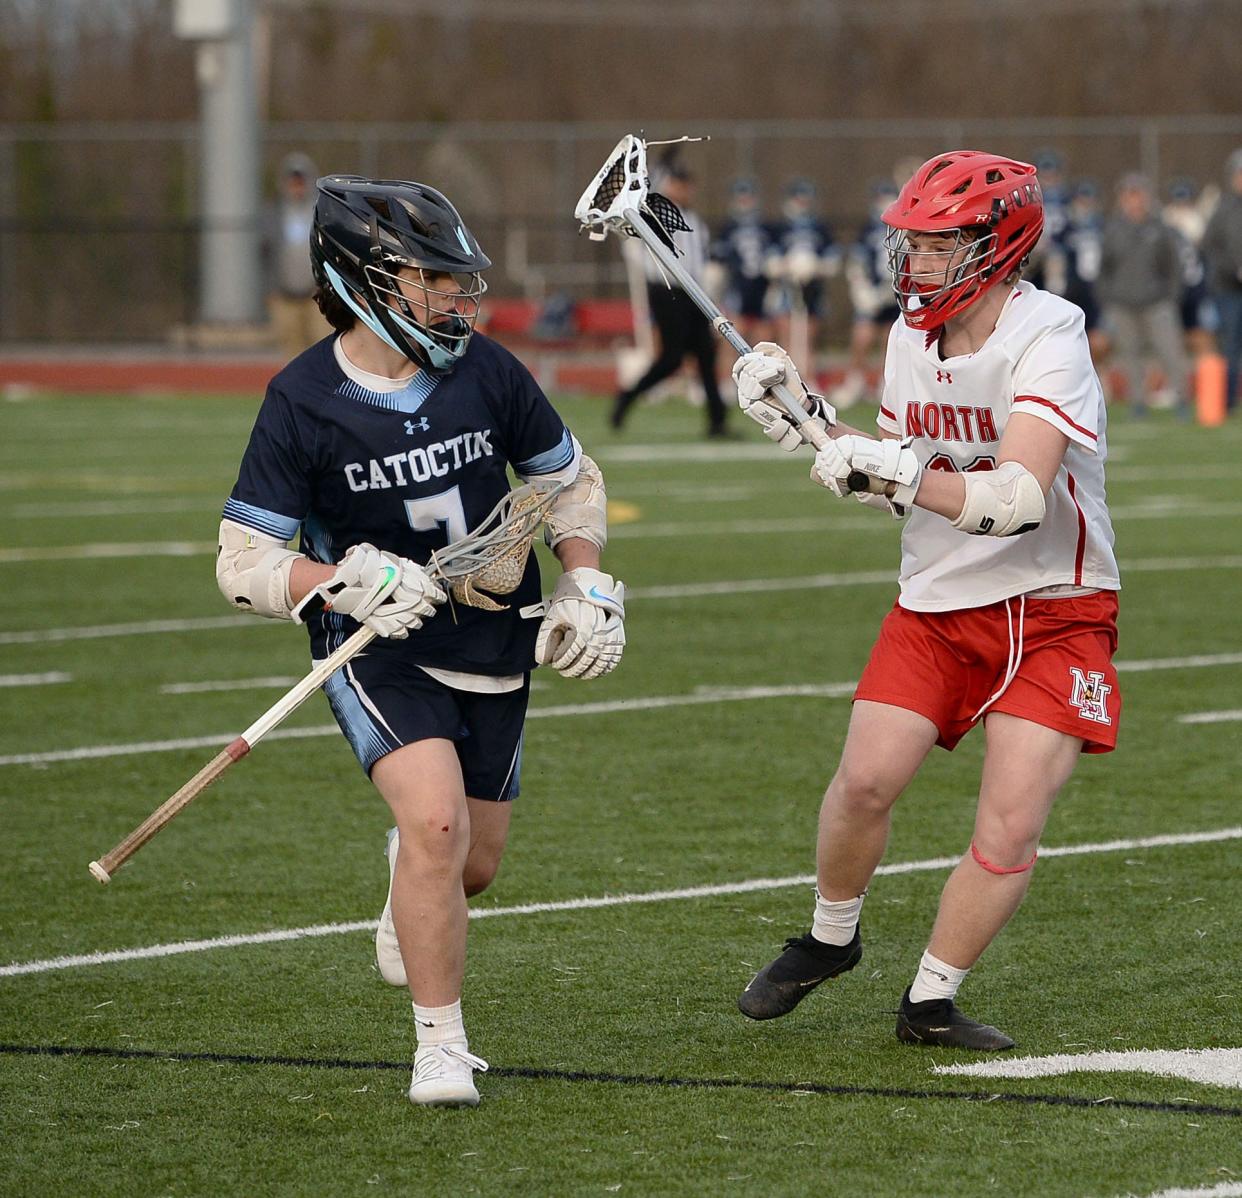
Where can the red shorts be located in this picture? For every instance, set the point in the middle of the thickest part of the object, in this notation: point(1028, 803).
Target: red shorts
point(946, 665)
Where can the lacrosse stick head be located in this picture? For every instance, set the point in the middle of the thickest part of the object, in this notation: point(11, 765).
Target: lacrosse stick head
point(621, 193)
point(493, 556)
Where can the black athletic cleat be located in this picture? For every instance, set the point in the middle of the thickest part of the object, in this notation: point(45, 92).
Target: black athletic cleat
point(940, 1024)
point(781, 985)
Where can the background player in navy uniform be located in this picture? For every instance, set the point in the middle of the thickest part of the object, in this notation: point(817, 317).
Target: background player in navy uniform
point(805, 254)
point(743, 246)
point(378, 446)
point(871, 295)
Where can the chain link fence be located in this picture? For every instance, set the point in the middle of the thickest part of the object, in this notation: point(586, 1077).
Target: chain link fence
point(99, 237)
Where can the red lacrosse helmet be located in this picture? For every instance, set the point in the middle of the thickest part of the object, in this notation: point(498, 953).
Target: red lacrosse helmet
point(995, 208)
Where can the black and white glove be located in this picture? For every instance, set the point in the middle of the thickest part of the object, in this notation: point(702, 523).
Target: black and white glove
point(388, 594)
point(891, 467)
point(583, 633)
point(755, 374)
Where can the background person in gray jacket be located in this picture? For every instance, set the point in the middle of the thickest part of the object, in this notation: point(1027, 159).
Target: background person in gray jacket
point(1222, 248)
point(1139, 287)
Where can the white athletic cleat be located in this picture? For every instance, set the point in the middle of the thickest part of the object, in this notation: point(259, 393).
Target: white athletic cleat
point(387, 948)
point(444, 1076)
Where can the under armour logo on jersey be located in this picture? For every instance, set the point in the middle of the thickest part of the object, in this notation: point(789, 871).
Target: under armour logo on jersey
point(1089, 694)
point(419, 425)
point(943, 376)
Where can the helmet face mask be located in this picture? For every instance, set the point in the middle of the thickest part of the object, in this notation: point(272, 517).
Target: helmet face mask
point(436, 310)
point(399, 255)
point(992, 210)
point(928, 268)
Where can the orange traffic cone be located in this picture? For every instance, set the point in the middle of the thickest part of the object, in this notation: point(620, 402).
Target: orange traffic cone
point(1210, 387)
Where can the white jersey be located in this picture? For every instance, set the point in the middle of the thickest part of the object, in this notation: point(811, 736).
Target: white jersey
point(1035, 361)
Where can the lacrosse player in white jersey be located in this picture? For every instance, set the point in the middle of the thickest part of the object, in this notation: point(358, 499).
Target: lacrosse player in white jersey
point(992, 451)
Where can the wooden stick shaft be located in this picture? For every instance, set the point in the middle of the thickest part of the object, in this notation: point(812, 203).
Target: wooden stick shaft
point(234, 751)
point(297, 695)
point(111, 861)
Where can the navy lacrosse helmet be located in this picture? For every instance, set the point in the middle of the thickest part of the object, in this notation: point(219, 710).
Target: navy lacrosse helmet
point(366, 230)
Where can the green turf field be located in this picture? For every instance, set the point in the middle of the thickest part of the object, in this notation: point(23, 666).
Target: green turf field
point(619, 1063)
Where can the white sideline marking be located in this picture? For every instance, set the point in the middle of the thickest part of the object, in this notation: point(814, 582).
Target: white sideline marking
point(38, 636)
point(827, 524)
point(827, 690)
point(1211, 717)
point(127, 507)
point(1211, 1066)
point(34, 679)
point(724, 694)
point(233, 684)
point(583, 904)
point(52, 553)
point(1179, 663)
point(1226, 1189)
point(689, 590)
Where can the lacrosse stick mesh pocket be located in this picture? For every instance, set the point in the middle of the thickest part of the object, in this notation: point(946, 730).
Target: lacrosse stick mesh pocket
point(664, 218)
point(493, 557)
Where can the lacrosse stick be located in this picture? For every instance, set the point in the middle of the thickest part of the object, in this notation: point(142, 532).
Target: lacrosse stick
point(493, 557)
point(619, 200)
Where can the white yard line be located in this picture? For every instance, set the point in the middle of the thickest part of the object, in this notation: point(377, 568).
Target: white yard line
point(704, 695)
point(747, 886)
point(113, 507)
point(830, 690)
point(827, 525)
point(35, 679)
point(1211, 717)
point(226, 684)
point(101, 549)
point(677, 591)
point(1208, 1066)
point(38, 636)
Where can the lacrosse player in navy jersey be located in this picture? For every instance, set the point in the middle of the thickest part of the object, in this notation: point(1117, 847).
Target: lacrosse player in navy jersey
point(378, 446)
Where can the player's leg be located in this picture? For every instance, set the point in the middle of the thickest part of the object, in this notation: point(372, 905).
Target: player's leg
point(1168, 338)
point(1024, 767)
point(422, 784)
point(489, 832)
point(884, 748)
point(666, 315)
point(1125, 326)
point(703, 344)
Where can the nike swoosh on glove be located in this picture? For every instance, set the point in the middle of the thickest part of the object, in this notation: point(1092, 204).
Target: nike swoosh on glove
point(583, 633)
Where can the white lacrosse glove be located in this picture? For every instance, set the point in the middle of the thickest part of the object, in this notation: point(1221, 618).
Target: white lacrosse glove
point(755, 374)
point(891, 467)
point(388, 594)
point(583, 633)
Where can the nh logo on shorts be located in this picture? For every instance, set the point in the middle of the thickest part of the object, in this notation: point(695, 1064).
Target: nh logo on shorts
point(1089, 694)
point(943, 376)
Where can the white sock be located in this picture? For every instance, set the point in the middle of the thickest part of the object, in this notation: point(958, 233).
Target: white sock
point(439, 1025)
point(935, 979)
point(835, 923)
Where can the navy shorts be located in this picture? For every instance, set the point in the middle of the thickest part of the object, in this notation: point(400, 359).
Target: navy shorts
point(382, 703)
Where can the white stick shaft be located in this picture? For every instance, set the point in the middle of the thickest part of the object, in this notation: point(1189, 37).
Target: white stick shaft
point(294, 698)
point(701, 300)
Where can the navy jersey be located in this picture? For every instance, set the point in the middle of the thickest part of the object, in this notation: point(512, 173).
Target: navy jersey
point(871, 251)
point(406, 471)
point(805, 235)
point(742, 247)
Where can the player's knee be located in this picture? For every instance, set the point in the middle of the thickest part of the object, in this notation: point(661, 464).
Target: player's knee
point(479, 873)
point(862, 789)
point(435, 834)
